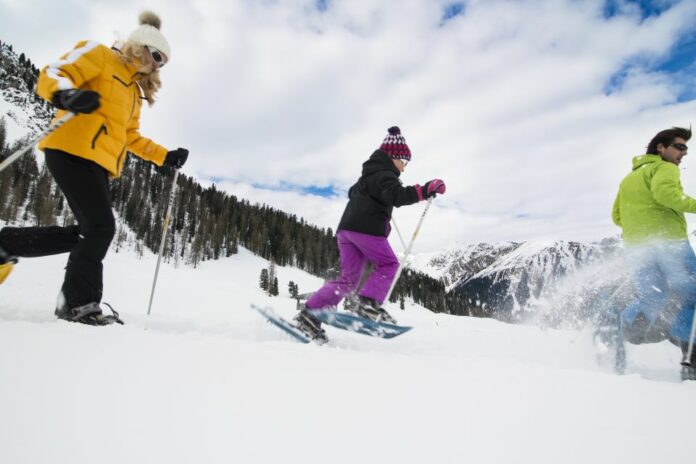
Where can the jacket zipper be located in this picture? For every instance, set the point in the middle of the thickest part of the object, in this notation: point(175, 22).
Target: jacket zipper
point(123, 150)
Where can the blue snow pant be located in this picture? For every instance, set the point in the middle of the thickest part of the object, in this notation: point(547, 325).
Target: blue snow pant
point(664, 281)
point(355, 250)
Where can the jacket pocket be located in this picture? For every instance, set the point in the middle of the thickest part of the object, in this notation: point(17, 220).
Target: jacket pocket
point(101, 130)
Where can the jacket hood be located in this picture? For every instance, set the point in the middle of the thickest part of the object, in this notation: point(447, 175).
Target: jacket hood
point(379, 161)
point(642, 160)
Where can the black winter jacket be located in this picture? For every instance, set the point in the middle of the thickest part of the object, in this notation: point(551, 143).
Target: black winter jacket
point(374, 195)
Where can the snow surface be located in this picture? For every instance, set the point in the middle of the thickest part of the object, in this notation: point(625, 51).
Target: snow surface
point(204, 380)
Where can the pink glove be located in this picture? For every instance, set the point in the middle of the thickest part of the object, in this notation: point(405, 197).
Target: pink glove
point(430, 189)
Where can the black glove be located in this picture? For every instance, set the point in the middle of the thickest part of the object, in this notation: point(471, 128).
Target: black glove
point(176, 158)
point(76, 100)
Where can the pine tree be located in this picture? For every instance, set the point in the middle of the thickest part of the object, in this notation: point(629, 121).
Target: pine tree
point(3, 137)
point(273, 291)
point(263, 280)
point(293, 289)
point(272, 278)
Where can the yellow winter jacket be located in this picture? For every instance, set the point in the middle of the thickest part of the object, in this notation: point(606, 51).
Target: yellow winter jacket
point(106, 135)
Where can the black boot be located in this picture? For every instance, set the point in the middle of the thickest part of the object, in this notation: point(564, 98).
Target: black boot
point(369, 309)
point(310, 326)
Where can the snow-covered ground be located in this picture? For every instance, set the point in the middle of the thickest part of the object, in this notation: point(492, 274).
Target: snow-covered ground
point(205, 380)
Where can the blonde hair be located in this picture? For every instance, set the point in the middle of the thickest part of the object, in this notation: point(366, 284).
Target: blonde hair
point(148, 79)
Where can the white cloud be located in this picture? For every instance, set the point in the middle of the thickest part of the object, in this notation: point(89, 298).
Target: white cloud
point(507, 103)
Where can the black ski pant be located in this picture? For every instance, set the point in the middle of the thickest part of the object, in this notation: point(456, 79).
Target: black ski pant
point(32, 242)
point(85, 185)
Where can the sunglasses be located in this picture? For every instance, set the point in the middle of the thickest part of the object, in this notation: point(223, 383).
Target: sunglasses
point(157, 56)
point(405, 161)
point(679, 146)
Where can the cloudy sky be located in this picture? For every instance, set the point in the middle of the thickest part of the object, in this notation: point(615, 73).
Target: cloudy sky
point(529, 110)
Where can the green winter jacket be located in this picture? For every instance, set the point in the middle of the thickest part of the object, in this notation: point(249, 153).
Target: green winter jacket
point(651, 203)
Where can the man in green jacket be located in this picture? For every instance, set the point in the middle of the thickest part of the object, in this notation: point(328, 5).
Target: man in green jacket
point(650, 209)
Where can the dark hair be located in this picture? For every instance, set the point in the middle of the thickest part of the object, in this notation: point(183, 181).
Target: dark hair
point(666, 137)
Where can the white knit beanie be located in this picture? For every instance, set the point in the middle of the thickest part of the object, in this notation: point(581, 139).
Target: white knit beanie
point(148, 33)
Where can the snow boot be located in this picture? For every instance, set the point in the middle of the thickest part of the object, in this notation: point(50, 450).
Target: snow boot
point(310, 326)
point(89, 314)
point(368, 308)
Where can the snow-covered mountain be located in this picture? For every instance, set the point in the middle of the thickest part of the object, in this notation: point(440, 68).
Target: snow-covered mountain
point(23, 112)
point(505, 279)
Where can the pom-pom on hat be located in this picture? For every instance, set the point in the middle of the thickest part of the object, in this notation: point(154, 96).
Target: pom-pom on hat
point(148, 34)
point(394, 145)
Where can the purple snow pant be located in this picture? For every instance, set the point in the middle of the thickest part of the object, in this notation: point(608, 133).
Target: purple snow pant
point(355, 250)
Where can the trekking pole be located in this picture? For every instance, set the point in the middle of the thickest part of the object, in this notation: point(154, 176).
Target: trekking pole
point(689, 352)
point(167, 214)
point(402, 263)
point(17, 154)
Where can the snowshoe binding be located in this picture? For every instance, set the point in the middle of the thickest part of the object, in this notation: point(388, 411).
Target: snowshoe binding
point(368, 308)
point(310, 326)
point(89, 314)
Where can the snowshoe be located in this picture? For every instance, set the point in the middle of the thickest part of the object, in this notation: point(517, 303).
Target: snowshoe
point(89, 314)
point(310, 326)
point(368, 308)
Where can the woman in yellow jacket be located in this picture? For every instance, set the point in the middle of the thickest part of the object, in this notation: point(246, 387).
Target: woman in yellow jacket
point(105, 87)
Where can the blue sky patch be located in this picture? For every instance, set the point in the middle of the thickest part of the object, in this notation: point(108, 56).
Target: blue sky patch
point(682, 56)
point(326, 191)
point(452, 10)
point(648, 8)
point(679, 64)
point(616, 81)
